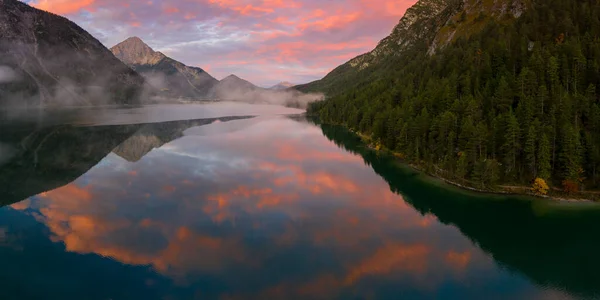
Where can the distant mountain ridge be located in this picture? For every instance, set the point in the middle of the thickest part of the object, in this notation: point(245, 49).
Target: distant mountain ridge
point(233, 87)
point(46, 59)
point(176, 80)
point(171, 77)
point(282, 86)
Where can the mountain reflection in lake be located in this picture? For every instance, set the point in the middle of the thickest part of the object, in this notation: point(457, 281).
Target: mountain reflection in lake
point(268, 207)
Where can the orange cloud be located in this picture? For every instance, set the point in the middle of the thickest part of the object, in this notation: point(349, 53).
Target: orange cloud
point(412, 258)
point(250, 198)
point(458, 260)
point(335, 21)
point(23, 205)
point(249, 9)
point(71, 194)
point(63, 7)
point(73, 216)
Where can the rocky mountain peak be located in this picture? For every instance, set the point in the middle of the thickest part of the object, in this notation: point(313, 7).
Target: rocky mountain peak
point(437, 23)
point(420, 21)
point(233, 80)
point(173, 78)
point(231, 77)
point(421, 9)
point(135, 39)
point(134, 51)
point(427, 26)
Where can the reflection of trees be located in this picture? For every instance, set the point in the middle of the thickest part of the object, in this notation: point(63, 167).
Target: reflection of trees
point(555, 247)
point(51, 157)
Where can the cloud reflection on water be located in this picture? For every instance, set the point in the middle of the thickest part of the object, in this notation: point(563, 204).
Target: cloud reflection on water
point(275, 199)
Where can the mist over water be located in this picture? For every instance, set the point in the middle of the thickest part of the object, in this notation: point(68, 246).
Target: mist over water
point(288, 97)
point(120, 115)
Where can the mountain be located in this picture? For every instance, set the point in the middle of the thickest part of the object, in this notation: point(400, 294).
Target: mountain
point(234, 88)
point(176, 80)
point(484, 93)
point(426, 26)
point(173, 78)
point(284, 85)
point(46, 59)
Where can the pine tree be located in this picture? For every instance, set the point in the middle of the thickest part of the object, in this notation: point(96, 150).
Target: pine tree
point(530, 150)
point(462, 166)
point(542, 100)
point(570, 155)
point(504, 96)
point(511, 144)
point(543, 158)
point(466, 139)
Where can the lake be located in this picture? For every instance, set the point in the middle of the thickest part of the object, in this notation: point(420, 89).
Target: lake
point(232, 201)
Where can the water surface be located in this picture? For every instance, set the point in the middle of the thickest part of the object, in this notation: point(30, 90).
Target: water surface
point(264, 204)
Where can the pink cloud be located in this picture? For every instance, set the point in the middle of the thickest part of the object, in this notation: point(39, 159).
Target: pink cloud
point(296, 40)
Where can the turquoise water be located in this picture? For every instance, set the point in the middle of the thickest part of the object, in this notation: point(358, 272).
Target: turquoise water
point(263, 204)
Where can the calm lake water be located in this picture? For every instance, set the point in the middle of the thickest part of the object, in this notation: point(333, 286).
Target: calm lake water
point(229, 201)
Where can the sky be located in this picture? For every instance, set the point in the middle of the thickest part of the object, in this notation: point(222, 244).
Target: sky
point(264, 41)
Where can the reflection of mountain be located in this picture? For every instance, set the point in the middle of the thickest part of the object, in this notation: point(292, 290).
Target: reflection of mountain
point(151, 136)
point(220, 129)
point(52, 157)
point(135, 147)
point(48, 158)
point(553, 247)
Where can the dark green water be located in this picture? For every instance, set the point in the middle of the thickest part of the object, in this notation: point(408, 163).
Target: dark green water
point(267, 207)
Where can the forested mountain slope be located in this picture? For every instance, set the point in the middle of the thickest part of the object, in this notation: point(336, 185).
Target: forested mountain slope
point(46, 59)
point(494, 91)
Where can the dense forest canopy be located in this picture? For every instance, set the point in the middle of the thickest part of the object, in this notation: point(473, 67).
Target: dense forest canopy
point(516, 100)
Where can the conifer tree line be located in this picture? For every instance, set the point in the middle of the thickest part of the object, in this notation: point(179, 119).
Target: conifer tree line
point(515, 101)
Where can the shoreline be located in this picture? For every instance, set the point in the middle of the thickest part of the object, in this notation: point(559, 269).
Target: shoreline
point(491, 192)
point(503, 189)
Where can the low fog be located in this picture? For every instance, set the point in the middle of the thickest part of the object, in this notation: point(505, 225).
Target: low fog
point(68, 78)
point(289, 97)
point(60, 76)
